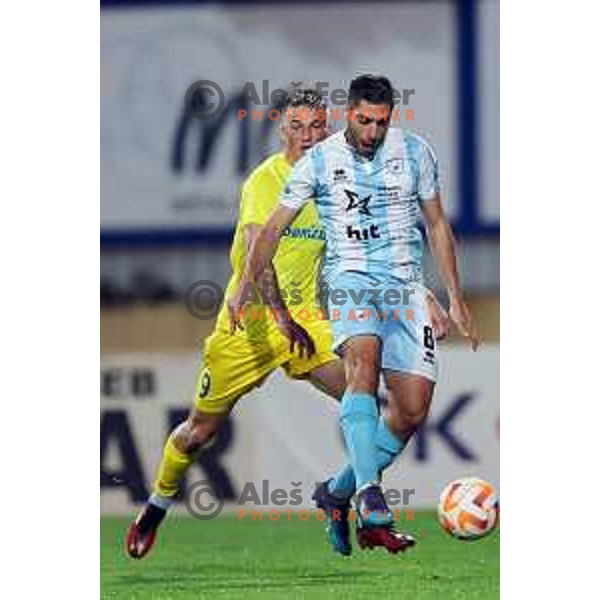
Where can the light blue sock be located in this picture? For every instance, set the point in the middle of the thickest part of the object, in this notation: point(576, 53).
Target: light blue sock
point(358, 419)
point(388, 447)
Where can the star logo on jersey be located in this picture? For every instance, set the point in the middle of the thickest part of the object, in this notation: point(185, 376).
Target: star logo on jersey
point(362, 204)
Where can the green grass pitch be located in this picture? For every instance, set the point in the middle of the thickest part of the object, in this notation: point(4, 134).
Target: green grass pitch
point(224, 558)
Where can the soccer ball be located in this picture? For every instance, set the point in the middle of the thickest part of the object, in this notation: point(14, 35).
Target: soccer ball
point(468, 508)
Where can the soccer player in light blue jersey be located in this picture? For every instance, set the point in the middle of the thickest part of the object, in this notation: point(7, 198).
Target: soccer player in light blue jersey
point(370, 184)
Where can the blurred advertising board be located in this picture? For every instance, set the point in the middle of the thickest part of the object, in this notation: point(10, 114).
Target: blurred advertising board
point(163, 169)
point(287, 432)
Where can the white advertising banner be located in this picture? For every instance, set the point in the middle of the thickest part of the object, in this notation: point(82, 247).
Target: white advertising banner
point(286, 433)
point(162, 168)
point(488, 93)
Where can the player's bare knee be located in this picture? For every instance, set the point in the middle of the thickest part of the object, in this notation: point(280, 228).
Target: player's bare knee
point(395, 423)
point(404, 418)
point(363, 369)
point(410, 420)
point(363, 376)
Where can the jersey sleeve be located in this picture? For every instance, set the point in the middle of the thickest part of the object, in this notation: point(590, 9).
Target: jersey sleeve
point(301, 185)
point(255, 204)
point(429, 185)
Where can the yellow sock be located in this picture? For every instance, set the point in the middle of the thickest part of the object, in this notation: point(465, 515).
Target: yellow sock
point(173, 466)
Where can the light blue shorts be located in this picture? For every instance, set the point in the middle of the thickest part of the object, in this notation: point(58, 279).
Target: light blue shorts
point(393, 309)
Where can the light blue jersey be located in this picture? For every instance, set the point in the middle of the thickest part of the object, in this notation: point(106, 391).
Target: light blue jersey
point(369, 208)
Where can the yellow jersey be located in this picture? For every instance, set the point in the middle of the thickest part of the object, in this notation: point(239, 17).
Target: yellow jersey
point(298, 258)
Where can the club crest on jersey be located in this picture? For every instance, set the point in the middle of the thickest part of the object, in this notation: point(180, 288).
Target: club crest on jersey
point(339, 175)
point(395, 165)
point(354, 202)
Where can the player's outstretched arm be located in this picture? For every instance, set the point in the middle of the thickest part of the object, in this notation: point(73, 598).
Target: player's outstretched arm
point(259, 258)
point(297, 336)
point(443, 248)
point(267, 283)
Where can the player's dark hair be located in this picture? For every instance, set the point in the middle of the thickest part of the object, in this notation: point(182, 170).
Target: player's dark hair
point(307, 97)
point(375, 89)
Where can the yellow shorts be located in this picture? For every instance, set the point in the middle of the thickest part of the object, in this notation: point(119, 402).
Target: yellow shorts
point(235, 364)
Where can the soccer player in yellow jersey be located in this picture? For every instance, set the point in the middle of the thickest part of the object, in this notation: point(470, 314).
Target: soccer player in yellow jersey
point(235, 364)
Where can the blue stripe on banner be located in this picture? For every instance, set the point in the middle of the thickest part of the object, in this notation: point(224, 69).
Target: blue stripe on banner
point(137, 238)
point(466, 14)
